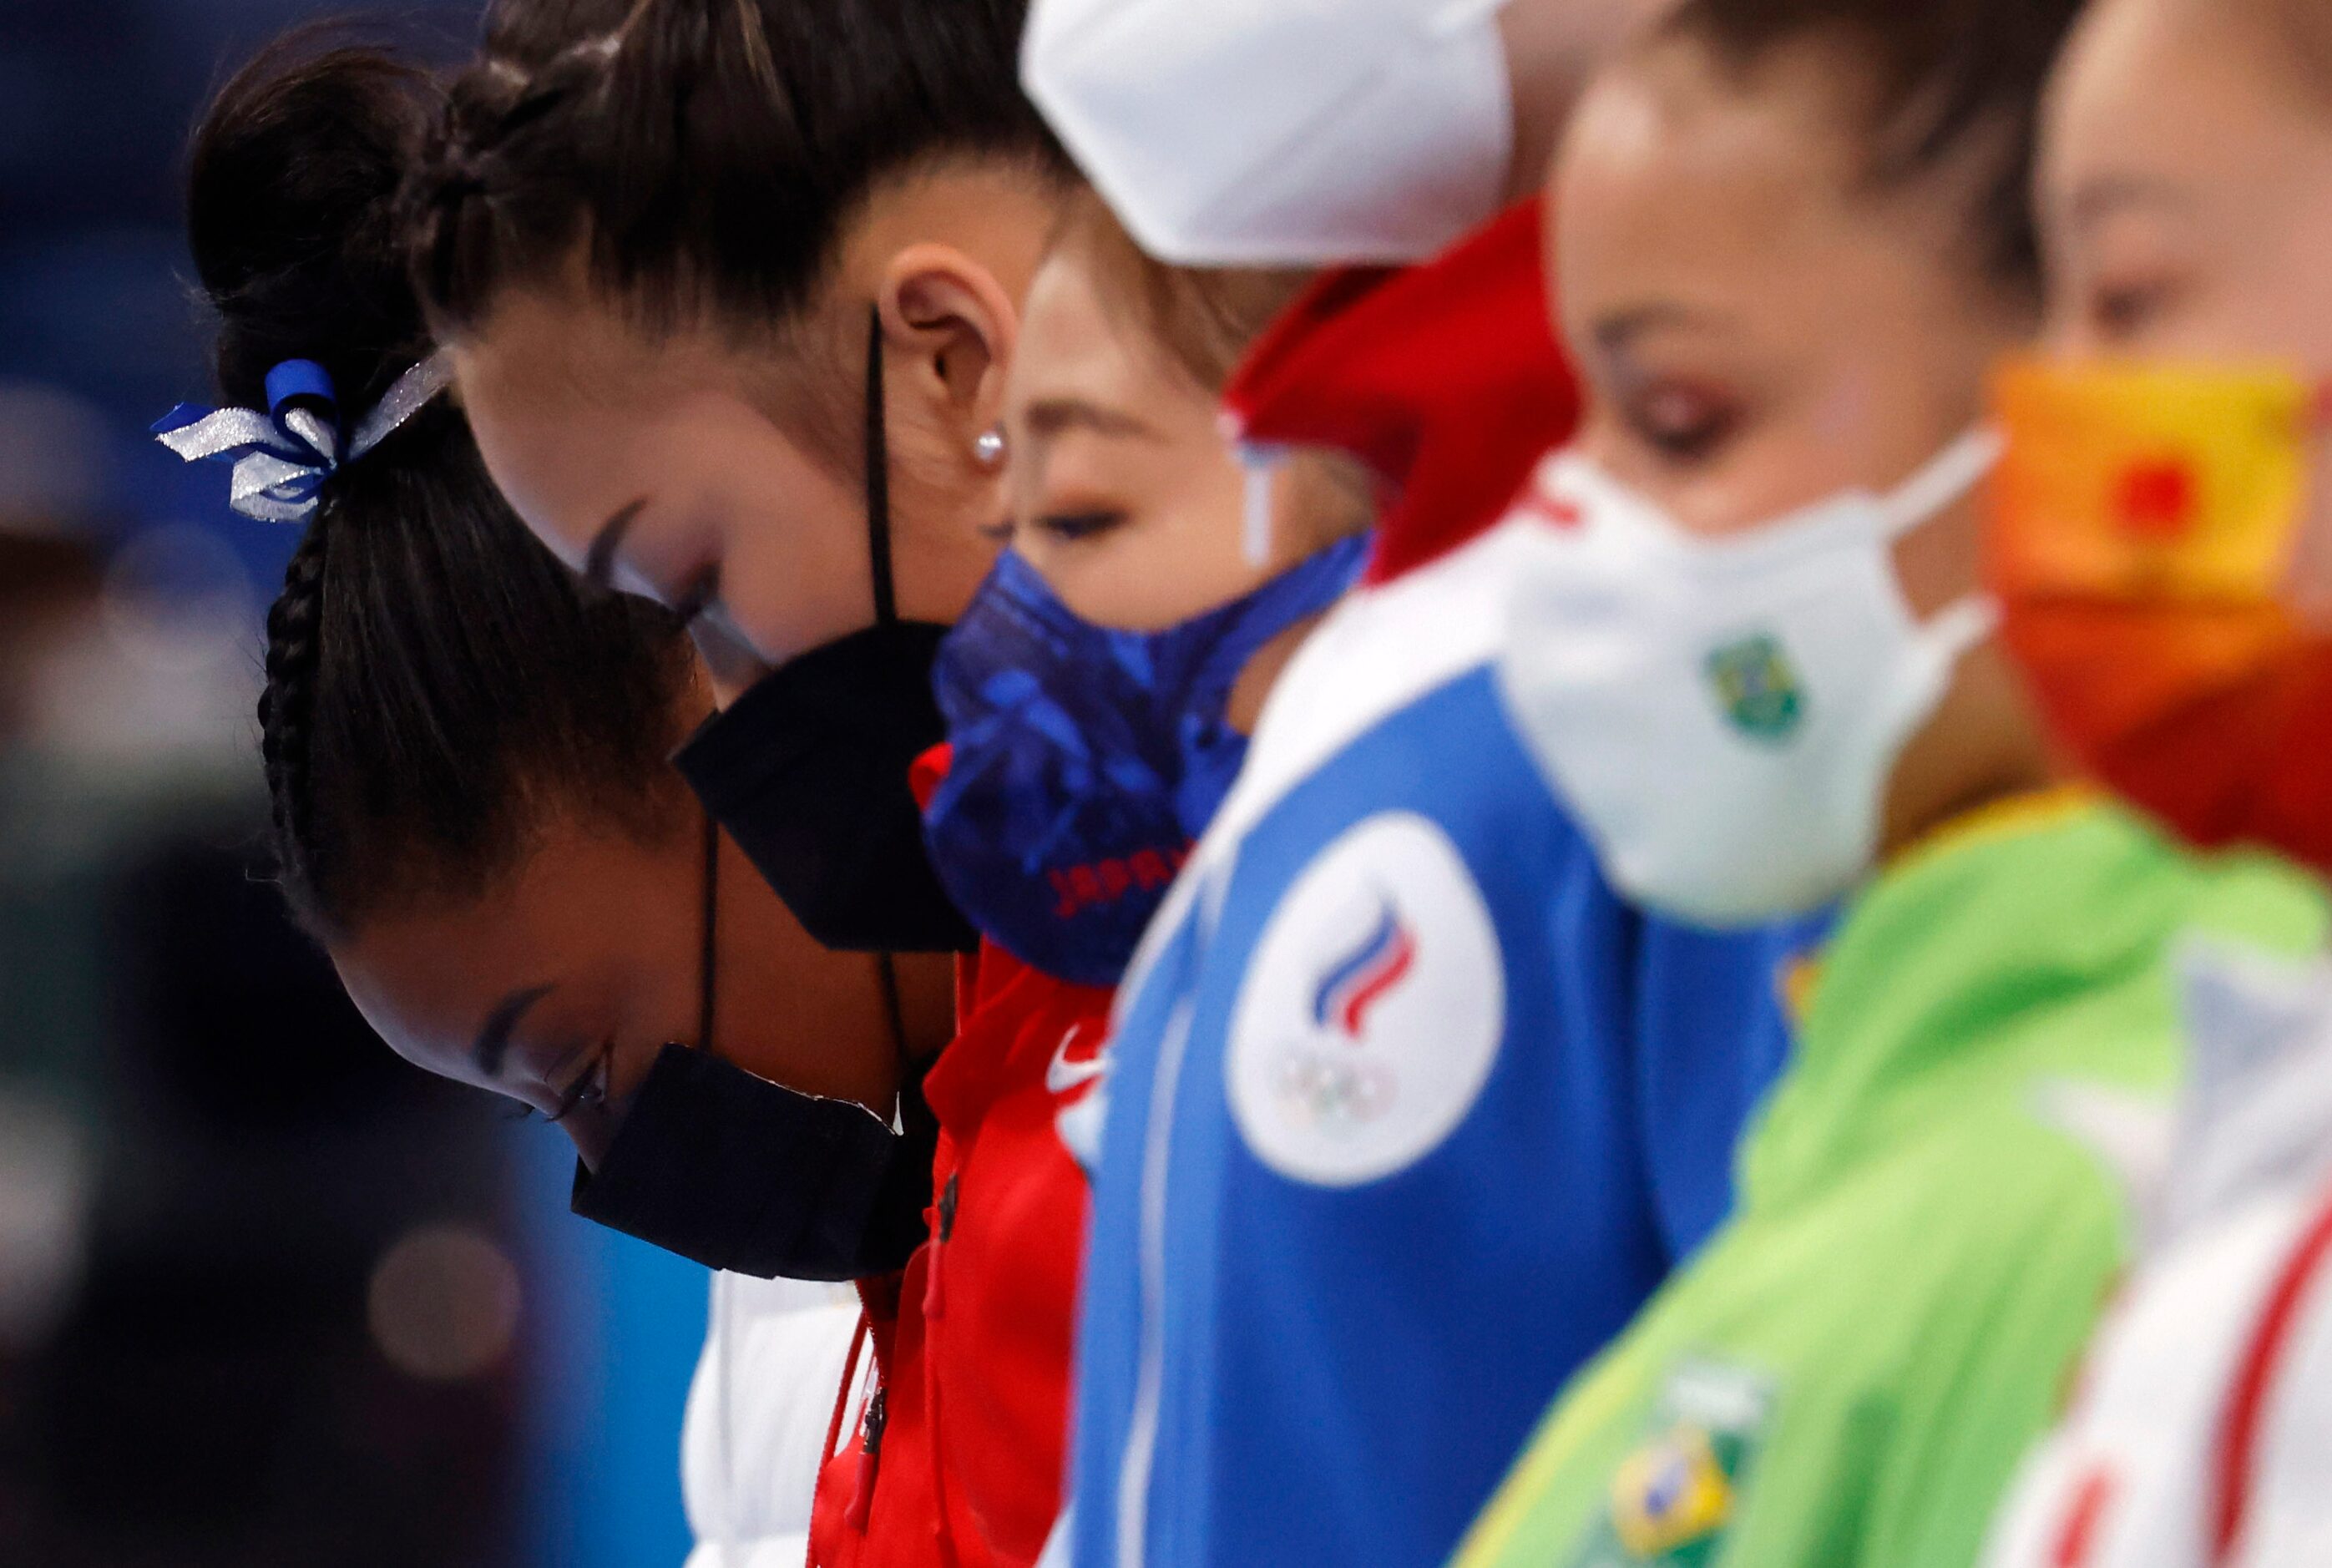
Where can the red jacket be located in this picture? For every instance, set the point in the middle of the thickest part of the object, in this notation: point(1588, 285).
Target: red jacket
point(1446, 380)
point(959, 1452)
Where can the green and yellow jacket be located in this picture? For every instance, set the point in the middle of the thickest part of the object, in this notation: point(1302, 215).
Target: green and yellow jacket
point(1848, 1374)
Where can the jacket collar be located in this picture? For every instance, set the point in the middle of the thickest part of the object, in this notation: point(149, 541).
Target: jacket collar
point(2030, 943)
point(1444, 379)
point(2255, 1117)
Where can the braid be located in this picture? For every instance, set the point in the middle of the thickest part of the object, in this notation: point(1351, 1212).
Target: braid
point(702, 156)
point(437, 690)
point(451, 199)
point(288, 705)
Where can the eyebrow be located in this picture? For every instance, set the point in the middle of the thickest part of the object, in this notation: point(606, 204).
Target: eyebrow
point(2101, 198)
point(1615, 332)
point(1052, 415)
point(494, 1038)
point(599, 561)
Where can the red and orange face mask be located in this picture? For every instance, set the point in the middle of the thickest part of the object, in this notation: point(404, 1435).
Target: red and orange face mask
point(2145, 521)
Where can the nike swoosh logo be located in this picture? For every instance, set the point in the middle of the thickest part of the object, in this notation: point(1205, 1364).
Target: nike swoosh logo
point(1062, 1075)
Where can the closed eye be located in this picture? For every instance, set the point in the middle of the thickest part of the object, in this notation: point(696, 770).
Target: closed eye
point(589, 1088)
point(2120, 312)
point(1072, 527)
point(702, 594)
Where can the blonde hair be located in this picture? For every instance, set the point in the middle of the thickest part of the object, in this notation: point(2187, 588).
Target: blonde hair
point(1204, 318)
point(1201, 322)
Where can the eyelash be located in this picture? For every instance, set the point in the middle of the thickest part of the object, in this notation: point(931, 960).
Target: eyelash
point(702, 594)
point(2118, 311)
point(591, 1088)
point(1682, 444)
point(1072, 527)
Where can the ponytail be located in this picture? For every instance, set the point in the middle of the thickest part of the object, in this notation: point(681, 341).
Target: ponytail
point(437, 687)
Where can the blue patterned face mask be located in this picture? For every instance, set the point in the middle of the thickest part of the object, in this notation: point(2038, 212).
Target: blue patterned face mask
point(1086, 760)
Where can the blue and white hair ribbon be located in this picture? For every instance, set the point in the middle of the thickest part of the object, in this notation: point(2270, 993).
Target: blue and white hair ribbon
point(284, 455)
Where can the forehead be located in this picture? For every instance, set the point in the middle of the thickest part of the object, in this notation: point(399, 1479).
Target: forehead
point(1063, 327)
point(589, 910)
point(1683, 181)
point(2180, 89)
point(1079, 337)
point(427, 982)
point(1080, 341)
point(1666, 131)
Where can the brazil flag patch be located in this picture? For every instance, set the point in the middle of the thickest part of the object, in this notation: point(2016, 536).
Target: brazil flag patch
point(1675, 1497)
point(1757, 688)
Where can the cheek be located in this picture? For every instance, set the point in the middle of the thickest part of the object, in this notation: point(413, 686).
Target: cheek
point(545, 482)
point(2309, 581)
point(1772, 467)
point(794, 578)
point(411, 1015)
point(1939, 563)
point(634, 1057)
point(1863, 428)
point(813, 1021)
point(2275, 304)
point(1170, 565)
point(1111, 582)
point(2231, 310)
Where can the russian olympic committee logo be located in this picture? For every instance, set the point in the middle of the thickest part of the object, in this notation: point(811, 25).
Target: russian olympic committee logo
point(1371, 1011)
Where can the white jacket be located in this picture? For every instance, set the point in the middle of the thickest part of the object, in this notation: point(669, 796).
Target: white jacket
point(2201, 1434)
point(758, 1409)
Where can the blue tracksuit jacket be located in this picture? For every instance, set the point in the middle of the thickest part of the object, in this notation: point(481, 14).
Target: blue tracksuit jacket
point(1406, 1115)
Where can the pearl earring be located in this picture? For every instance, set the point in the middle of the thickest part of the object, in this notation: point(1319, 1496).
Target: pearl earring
point(990, 447)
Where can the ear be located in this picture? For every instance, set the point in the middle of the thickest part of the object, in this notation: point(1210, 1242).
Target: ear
point(955, 322)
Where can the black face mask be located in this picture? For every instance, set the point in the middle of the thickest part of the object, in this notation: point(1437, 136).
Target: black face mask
point(736, 1172)
point(808, 771)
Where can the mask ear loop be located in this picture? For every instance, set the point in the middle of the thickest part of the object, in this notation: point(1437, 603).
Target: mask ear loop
point(887, 613)
point(1959, 627)
point(1955, 470)
point(878, 478)
point(708, 973)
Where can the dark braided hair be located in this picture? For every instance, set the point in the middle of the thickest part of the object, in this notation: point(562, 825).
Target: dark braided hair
point(437, 687)
point(705, 155)
point(287, 705)
point(1954, 82)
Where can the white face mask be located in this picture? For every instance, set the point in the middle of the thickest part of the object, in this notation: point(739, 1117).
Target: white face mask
point(1280, 132)
point(1724, 716)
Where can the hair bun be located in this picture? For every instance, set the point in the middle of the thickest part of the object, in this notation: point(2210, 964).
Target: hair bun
point(292, 212)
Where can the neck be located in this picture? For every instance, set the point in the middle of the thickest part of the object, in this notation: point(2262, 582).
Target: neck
point(1253, 688)
point(1983, 745)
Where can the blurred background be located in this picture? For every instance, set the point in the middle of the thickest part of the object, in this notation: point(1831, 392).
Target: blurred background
point(267, 1295)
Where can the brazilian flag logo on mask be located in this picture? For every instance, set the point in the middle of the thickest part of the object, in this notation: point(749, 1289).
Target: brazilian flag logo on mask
point(1757, 688)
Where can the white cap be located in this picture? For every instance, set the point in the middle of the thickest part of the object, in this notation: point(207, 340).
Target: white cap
point(1281, 132)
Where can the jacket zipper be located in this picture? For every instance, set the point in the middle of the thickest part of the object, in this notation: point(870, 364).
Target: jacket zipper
point(870, 1449)
point(1134, 1467)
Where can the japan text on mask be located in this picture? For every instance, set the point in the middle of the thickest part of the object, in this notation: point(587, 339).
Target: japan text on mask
point(1085, 760)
